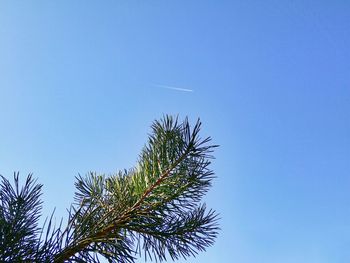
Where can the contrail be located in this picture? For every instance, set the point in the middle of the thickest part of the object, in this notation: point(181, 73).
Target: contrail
point(173, 88)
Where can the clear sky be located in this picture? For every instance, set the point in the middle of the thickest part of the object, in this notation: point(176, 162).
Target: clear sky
point(81, 82)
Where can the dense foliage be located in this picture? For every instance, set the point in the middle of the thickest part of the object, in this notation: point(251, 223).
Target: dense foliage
point(152, 210)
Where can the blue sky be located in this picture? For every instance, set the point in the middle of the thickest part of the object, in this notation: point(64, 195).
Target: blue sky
point(81, 82)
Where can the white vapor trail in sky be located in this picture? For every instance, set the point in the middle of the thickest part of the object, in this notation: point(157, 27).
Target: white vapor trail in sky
point(173, 88)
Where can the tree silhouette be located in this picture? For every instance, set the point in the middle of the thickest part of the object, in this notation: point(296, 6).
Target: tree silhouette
point(152, 210)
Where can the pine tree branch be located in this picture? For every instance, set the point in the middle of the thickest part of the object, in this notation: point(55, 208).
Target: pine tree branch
point(153, 204)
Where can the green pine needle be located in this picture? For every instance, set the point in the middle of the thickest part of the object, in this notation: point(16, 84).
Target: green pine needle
point(153, 209)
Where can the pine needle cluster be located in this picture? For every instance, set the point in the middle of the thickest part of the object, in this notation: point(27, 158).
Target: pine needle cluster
point(153, 210)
